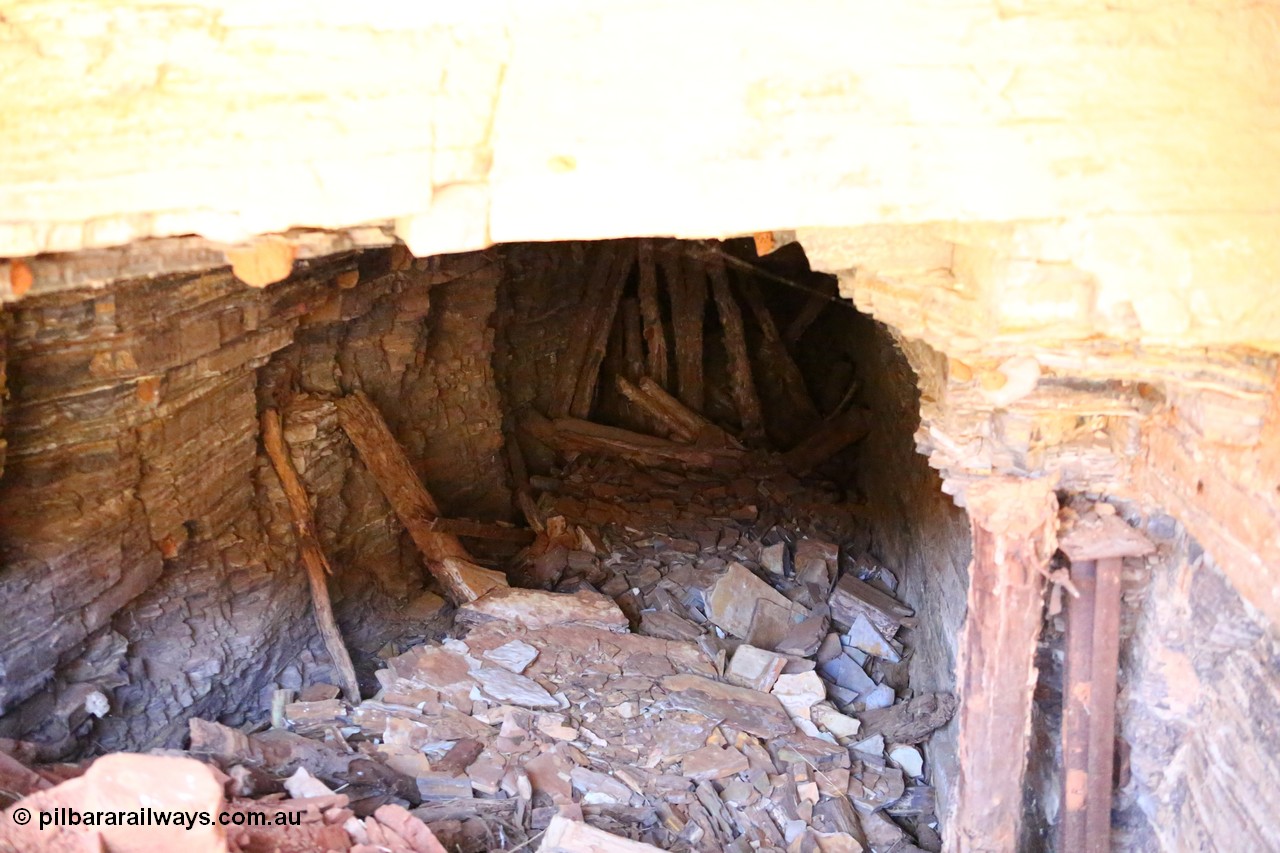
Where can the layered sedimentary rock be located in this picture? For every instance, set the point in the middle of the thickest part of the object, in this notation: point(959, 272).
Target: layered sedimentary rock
point(146, 549)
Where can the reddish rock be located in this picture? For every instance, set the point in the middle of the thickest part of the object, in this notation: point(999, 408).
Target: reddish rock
point(537, 609)
point(135, 785)
point(747, 710)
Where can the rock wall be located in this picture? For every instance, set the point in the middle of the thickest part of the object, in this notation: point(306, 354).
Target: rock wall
point(914, 528)
point(1201, 672)
point(144, 547)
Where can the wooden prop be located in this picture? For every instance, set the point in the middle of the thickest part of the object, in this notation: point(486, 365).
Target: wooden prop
point(309, 552)
point(741, 384)
point(832, 435)
point(606, 310)
point(655, 335)
point(1013, 523)
point(797, 411)
point(446, 558)
point(581, 334)
point(677, 420)
point(570, 435)
point(687, 287)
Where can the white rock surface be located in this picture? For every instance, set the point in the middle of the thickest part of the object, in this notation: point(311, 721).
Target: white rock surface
point(514, 656)
point(799, 693)
point(908, 758)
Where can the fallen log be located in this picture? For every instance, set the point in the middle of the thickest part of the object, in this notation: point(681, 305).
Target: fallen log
point(313, 558)
point(468, 529)
point(571, 435)
point(446, 558)
point(834, 434)
point(679, 422)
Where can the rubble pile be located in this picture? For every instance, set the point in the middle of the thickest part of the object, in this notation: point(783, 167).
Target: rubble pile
point(691, 662)
point(696, 652)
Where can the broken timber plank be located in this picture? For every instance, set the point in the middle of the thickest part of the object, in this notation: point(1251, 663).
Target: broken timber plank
point(832, 435)
point(1013, 538)
point(606, 311)
point(677, 420)
point(469, 529)
point(687, 288)
point(569, 435)
point(799, 411)
point(1014, 522)
point(812, 309)
point(741, 383)
point(1096, 543)
point(446, 558)
point(632, 339)
point(706, 431)
point(911, 721)
point(650, 412)
point(313, 559)
point(655, 335)
point(570, 369)
point(523, 494)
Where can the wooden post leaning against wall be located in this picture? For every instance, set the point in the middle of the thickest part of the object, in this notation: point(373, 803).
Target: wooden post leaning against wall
point(1014, 523)
point(309, 552)
point(447, 560)
point(786, 375)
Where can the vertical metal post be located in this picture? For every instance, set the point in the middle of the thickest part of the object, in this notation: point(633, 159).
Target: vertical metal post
point(1102, 711)
point(1077, 695)
point(1096, 544)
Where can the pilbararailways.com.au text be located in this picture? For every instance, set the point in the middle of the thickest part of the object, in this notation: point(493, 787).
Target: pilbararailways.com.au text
point(64, 816)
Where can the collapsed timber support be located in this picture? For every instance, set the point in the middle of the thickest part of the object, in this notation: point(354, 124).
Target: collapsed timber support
point(1014, 523)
